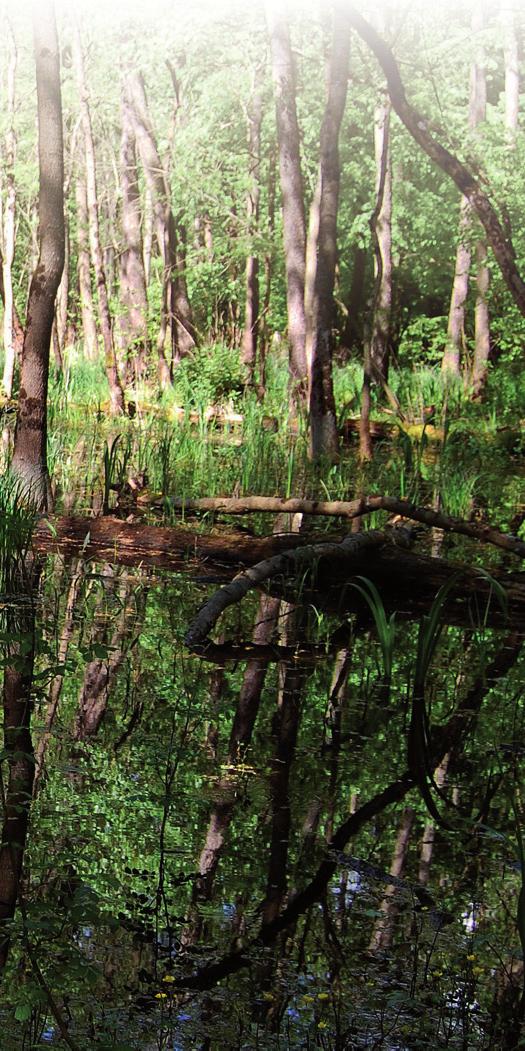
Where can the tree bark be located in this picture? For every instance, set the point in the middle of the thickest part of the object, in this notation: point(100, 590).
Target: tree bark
point(89, 324)
point(320, 320)
point(294, 225)
point(418, 127)
point(134, 314)
point(512, 69)
point(9, 218)
point(30, 458)
point(478, 114)
point(176, 313)
point(382, 235)
point(451, 362)
point(116, 394)
point(384, 928)
point(30, 446)
point(251, 313)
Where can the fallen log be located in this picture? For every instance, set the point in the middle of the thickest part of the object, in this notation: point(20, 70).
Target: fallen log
point(349, 509)
point(133, 543)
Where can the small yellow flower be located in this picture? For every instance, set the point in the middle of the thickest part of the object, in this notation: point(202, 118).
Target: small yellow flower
point(471, 956)
point(437, 974)
point(161, 996)
point(168, 978)
point(477, 971)
point(267, 996)
point(323, 996)
point(308, 999)
point(322, 1025)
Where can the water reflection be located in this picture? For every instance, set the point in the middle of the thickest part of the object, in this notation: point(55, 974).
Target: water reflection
point(237, 856)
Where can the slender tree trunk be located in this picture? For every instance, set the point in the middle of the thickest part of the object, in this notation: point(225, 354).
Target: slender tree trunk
point(353, 330)
point(417, 125)
point(320, 318)
point(29, 457)
point(382, 234)
point(116, 393)
point(429, 834)
point(251, 313)
point(268, 269)
point(294, 225)
point(148, 232)
point(176, 314)
point(512, 69)
point(384, 929)
point(55, 691)
point(30, 448)
point(240, 740)
point(134, 314)
point(478, 114)
point(451, 363)
point(9, 218)
point(89, 324)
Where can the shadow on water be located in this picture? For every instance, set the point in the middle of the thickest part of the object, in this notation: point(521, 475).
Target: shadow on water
point(241, 853)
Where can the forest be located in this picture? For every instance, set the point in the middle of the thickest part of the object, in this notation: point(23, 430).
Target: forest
point(262, 511)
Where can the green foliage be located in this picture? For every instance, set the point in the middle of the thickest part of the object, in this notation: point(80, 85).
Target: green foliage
point(211, 375)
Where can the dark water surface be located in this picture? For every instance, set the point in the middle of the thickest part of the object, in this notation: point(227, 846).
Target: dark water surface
point(185, 808)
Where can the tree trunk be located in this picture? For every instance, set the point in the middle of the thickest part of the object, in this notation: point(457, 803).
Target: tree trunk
point(384, 929)
point(477, 115)
point(116, 393)
point(176, 313)
point(382, 235)
point(89, 324)
point(294, 226)
point(30, 447)
point(134, 314)
point(9, 219)
point(320, 319)
point(451, 363)
point(418, 127)
point(512, 69)
point(30, 459)
point(251, 313)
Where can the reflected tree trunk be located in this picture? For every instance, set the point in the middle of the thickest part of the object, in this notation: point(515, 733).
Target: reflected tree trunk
point(240, 739)
point(384, 930)
point(429, 833)
point(55, 691)
point(100, 673)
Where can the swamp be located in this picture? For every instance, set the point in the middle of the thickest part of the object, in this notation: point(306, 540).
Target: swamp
point(262, 517)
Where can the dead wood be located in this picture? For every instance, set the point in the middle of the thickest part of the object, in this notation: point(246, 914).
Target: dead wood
point(133, 543)
point(289, 562)
point(482, 531)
